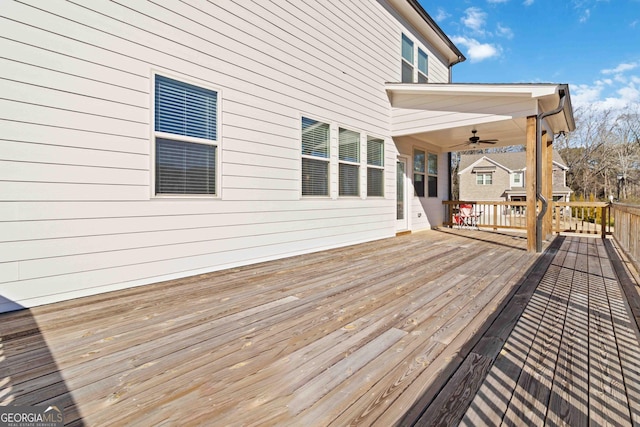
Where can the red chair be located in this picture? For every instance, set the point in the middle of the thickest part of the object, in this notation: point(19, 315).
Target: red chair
point(466, 217)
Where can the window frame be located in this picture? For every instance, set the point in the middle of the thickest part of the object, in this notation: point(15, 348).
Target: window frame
point(155, 135)
point(410, 63)
point(373, 166)
point(347, 162)
point(484, 180)
point(419, 191)
point(424, 74)
point(326, 159)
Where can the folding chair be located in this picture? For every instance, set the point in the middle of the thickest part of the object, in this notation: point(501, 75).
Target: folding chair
point(466, 217)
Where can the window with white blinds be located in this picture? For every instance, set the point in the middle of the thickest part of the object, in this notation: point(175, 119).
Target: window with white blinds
point(186, 138)
point(375, 167)
point(315, 158)
point(349, 162)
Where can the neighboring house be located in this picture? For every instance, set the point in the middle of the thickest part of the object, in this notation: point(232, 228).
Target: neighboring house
point(501, 176)
point(142, 142)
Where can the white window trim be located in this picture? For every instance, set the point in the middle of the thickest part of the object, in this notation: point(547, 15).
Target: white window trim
point(347, 162)
point(327, 159)
point(155, 134)
point(367, 165)
point(484, 180)
point(418, 71)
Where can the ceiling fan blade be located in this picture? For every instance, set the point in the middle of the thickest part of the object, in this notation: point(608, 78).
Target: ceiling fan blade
point(458, 145)
point(488, 141)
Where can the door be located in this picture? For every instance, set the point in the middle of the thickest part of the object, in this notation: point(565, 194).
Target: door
point(402, 220)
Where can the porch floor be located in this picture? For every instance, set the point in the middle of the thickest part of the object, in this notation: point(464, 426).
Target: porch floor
point(428, 328)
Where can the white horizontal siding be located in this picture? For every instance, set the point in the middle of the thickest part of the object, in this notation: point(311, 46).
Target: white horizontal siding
point(76, 212)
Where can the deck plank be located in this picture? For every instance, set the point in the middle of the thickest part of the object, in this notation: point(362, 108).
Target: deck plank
point(370, 334)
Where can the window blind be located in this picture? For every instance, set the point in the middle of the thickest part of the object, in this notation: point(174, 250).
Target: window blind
point(349, 141)
point(185, 168)
point(349, 180)
point(184, 109)
point(375, 182)
point(375, 151)
point(315, 138)
point(315, 177)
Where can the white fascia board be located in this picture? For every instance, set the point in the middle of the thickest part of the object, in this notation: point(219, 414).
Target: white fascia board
point(522, 90)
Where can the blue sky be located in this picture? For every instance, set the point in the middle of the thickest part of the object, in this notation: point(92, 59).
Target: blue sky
point(594, 45)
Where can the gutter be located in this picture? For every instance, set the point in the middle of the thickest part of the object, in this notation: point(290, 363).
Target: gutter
point(539, 196)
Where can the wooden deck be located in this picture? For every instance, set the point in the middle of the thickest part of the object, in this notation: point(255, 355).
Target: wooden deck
point(395, 332)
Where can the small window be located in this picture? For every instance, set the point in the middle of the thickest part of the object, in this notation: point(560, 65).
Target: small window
point(423, 66)
point(485, 178)
point(315, 158)
point(185, 138)
point(375, 167)
point(517, 179)
point(348, 163)
point(407, 60)
point(418, 172)
point(433, 175)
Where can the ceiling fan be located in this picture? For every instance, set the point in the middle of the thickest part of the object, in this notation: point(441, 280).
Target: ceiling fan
point(475, 139)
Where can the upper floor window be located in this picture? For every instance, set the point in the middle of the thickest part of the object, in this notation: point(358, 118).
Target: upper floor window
point(349, 162)
point(185, 138)
point(375, 167)
point(516, 179)
point(432, 172)
point(407, 60)
point(414, 69)
point(315, 158)
point(484, 178)
point(423, 66)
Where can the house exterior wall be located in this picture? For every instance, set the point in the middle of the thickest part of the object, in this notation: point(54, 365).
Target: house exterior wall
point(77, 213)
point(470, 190)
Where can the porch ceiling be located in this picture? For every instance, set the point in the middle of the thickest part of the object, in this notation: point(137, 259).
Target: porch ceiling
point(444, 115)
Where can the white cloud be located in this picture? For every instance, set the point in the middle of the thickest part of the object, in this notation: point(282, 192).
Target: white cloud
point(477, 51)
point(629, 93)
point(475, 19)
point(624, 67)
point(504, 31)
point(606, 94)
point(497, 1)
point(441, 15)
point(585, 15)
point(528, 2)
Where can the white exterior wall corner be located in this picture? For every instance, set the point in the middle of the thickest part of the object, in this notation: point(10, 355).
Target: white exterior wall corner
point(77, 214)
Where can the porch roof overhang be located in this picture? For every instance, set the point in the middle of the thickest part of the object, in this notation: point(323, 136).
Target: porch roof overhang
point(443, 114)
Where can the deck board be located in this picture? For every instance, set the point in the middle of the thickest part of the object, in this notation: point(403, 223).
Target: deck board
point(566, 361)
point(381, 333)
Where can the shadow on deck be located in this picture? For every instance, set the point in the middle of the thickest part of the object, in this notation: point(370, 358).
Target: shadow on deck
point(431, 328)
point(563, 351)
point(29, 375)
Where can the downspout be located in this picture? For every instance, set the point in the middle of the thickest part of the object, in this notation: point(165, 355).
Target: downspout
point(539, 195)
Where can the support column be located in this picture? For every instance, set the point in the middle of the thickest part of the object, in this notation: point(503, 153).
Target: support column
point(547, 184)
point(530, 183)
